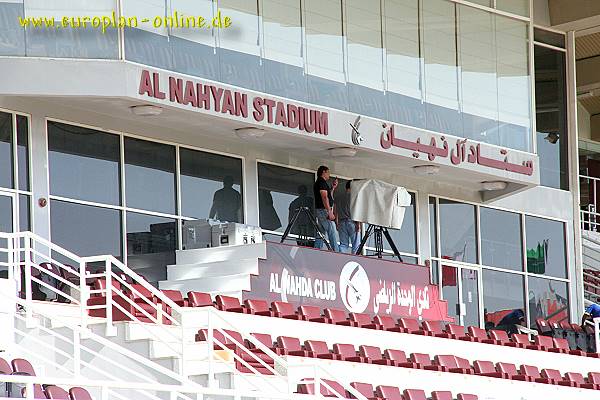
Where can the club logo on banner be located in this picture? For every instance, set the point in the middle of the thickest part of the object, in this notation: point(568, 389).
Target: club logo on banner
point(355, 287)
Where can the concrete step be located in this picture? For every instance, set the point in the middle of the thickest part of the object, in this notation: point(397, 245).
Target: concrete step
point(214, 254)
point(219, 284)
point(212, 269)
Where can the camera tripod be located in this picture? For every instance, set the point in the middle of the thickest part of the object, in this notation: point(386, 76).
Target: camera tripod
point(307, 212)
point(379, 232)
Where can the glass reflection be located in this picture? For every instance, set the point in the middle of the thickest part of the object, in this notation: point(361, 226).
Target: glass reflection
point(151, 243)
point(501, 239)
point(206, 177)
point(280, 190)
point(548, 300)
point(12, 35)
point(23, 152)
point(502, 294)
point(6, 154)
point(519, 7)
point(24, 213)
point(433, 227)
point(83, 163)
point(85, 230)
point(450, 290)
point(457, 231)
point(405, 238)
point(545, 240)
point(150, 175)
point(6, 217)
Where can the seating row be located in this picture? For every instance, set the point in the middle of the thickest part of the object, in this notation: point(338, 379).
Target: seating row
point(291, 346)
point(331, 388)
point(20, 366)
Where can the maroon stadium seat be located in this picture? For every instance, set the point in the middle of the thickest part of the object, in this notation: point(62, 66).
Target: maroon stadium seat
point(479, 335)
point(347, 352)
point(329, 388)
point(313, 313)
point(486, 368)
point(462, 396)
point(364, 321)
point(543, 326)
point(578, 380)
point(199, 299)
point(320, 349)
point(501, 337)
point(338, 317)
point(291, 346)
point(441, 395)
point(366, 389)
point(388, 323)
point(5, 368)
point(22, 367)
point(176, 297)
point(424, 362)
point(388, 392)
point(231, 304)
point(78, 393)
point(434, 328)
point(38, 392)
point(562, 346)
point(465, 365)
point(284, 309)
point(522, 341)
point(398, 357)
point(219, 340)
point(258, 307)
point(414, 394)
point(510, 371)
point(264, 339)
point(552, 376)
point(411, 326)
point(55, 392)
point(532, 373)
point(373, 355)
point(449, 363)
point(457, 331)
point(594, 378)
point(543, 343)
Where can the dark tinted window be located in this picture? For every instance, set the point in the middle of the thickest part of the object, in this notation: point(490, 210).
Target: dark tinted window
point(433, 227)
point(22, 151)
point(281, 191)
point(501, 239)
point(6, 220)
point(24, 212)
point(211, 186)
point(6, 154)
point(150, 175)
point(405, 238)
point(545, 247)
point(552, 38)
point(502, 293)
point(85, 230)
point(151, 243)
point(457, 231)
point(548, 300)
point(84, 163)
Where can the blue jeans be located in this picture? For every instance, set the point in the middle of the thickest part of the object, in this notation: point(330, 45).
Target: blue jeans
point(327, 228)
point(348, 235)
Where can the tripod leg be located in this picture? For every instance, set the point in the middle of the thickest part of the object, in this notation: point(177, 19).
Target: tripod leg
point(392, 244)
point(313, 219)
point(363, 242)
point(379, 242)
point(291, 224)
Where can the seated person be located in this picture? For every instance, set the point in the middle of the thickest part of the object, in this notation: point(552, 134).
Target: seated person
point(511, 321)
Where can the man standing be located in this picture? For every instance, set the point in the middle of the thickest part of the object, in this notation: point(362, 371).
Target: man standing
point(347, 228)
point(227, 203)
point(324, 208)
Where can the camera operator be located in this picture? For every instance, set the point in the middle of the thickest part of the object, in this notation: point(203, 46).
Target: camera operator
point(324, 208)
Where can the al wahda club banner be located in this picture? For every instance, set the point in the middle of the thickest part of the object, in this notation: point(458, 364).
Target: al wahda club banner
point(301, 275)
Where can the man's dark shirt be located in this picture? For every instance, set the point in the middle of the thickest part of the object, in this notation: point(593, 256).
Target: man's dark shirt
point(513, 318)
point(321, 184)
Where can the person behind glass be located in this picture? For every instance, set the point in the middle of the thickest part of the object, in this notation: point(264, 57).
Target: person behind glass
point(324, 208)
point(511, 321)
point(347, 228)
point(303, 226)
point(227, 203)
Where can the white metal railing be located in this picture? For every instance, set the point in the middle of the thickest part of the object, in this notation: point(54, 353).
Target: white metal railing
point(590, 218)
point(25, 252)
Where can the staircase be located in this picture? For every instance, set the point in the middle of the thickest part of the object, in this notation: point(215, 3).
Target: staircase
point(216, 270)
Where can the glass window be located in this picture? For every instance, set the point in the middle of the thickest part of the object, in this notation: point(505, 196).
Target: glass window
point(6, 215)
point(405, 238)
point(545, 247)
point(403, 62)
point(551, 111)
point(441, 73)
point(519, 7)
point(85, 230)
point(24, 213)
point(450, 290)
point(514, 84)
point(151, 243)
point(548, 300)
point(12, 35)
point(6, 154)
point(83, 163)
point(150, 175)
point(283, 61)
point(457, 231)
point(324, 45)
point(479, 85)
point(501, 239)
point(502, 293)
point(552, 38)
point(433, 227)
point(22, 151)
point(280, 191)
point(211, 186)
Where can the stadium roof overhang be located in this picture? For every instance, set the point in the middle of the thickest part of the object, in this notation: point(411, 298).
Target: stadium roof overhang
point(193, 107)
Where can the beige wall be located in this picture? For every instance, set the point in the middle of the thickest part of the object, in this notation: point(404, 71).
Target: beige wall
point(583, 123)
point(563, 11)
point(541, 13)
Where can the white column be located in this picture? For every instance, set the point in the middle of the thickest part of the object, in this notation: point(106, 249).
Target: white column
point(39, 175)
point(251, 191)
